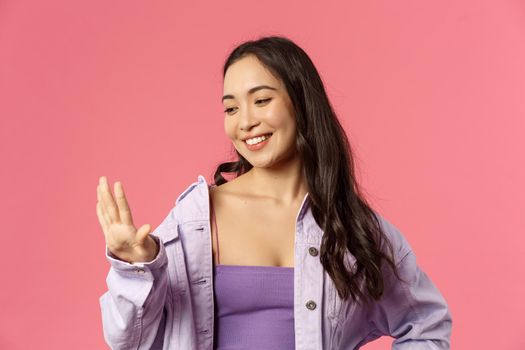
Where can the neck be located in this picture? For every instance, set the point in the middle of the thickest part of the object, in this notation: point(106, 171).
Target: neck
point(284, 183)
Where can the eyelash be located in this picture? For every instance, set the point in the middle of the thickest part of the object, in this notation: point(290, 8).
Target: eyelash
point(263, 100)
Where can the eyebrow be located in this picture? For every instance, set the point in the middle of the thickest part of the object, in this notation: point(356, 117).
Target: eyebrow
point(251, 91)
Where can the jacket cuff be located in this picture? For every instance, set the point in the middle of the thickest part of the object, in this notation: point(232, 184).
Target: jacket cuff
point(144, 268)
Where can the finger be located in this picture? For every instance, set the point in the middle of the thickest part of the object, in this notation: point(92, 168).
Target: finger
point(143, 232)
point(103, 210)
point(109, 202)
point(102, 220)
point(122, 203)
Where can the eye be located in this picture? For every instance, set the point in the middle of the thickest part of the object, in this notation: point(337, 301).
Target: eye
point(265, 100)
point(228, 110)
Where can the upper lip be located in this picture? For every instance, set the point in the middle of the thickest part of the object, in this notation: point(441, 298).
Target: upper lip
point(251, 137)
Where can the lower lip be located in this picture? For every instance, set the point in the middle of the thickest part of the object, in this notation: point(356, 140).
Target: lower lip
point(259, 145)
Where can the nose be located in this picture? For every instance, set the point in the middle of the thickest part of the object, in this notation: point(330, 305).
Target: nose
point(247, 121)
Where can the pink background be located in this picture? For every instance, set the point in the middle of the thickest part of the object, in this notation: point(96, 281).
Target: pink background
point(431, 94)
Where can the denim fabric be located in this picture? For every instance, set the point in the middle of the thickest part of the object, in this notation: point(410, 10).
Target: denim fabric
point(168, 303)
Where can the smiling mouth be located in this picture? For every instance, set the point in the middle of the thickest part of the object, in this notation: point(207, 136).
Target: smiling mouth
point(266, 137)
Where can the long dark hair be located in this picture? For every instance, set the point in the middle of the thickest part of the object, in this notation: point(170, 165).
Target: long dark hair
point(337, 203)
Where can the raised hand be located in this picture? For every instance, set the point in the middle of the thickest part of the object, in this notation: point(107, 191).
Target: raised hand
point(122, 238)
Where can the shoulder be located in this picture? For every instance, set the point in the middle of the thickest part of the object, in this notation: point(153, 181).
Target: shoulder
point(399, 242)
point(192, 203)
point(200, 182)
point(232, 194)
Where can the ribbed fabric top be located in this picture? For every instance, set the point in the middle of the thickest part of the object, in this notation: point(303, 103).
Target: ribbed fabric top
point(253, 306)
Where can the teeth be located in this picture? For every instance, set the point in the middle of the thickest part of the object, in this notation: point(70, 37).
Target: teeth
point(256, 140)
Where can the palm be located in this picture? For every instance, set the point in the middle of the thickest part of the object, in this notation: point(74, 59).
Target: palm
point(122, 237)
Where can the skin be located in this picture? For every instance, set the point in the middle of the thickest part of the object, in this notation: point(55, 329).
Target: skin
point(255, 213)
point(115, 219)
point(276, 168)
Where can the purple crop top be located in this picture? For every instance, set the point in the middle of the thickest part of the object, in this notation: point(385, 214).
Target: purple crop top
point(253, 306)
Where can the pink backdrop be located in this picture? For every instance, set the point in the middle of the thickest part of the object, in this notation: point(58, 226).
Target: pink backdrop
point(431, 94)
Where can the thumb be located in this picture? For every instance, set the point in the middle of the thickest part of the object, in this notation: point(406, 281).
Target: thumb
point(143, 232)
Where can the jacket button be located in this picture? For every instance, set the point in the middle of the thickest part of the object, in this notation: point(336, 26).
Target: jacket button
point(139, 270)
point(310, 305)
point(313, 251)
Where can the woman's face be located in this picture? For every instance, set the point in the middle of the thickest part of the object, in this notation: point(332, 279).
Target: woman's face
point(250, 110)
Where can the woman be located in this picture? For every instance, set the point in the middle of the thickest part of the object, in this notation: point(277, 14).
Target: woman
point(287, 255)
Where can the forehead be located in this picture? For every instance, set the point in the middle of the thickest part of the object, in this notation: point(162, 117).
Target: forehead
point(246, 73)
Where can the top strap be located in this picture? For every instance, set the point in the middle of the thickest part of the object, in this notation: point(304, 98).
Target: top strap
point(216, 231)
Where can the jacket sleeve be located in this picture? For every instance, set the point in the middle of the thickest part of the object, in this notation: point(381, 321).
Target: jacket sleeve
point(133, 306)
point(414, 313)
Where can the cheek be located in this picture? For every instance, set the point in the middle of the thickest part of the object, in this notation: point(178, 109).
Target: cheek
point(282, 122)
point(279, 117)
point(228, 129)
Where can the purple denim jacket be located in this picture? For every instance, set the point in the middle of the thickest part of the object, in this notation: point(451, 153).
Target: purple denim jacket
point(168, 303)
